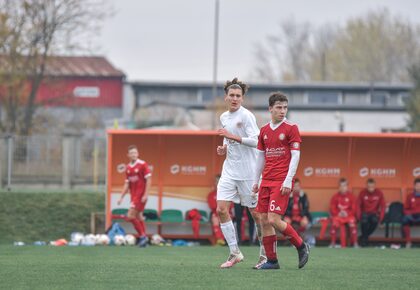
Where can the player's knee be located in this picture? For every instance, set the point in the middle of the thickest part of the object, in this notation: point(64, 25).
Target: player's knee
point(272, 220)
point(222, 211)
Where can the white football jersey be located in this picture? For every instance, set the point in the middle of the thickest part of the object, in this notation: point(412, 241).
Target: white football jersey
point(241, 159)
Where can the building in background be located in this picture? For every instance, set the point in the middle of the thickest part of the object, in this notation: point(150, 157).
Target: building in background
point(79, 92)
point(358, 107)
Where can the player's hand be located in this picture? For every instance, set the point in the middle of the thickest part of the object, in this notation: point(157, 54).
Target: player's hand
point(285, 190)
point(342, 213)
point(119, 201)
point(255, 188)
point(144, 198)
point(221, 150)
point(223, 133)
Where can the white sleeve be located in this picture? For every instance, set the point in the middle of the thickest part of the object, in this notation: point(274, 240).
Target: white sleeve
point(294, 162)
point(259, 166)
point(250, 141)
point(252, 132)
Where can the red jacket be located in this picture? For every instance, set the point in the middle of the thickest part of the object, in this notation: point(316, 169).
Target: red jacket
point(212, 201)
point(343, 201)
point(371, 203)
point(412, 204)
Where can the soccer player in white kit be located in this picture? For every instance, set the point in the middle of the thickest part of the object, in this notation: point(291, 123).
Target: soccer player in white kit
point(240, 132)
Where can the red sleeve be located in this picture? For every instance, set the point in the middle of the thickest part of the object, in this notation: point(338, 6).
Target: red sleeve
point(294, 138)
point(146, 170)
point(382, 205)
point(261, 145)
point(407, 205)
point(333, 206)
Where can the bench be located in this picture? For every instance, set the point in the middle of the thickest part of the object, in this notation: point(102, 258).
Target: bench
point(171, 224)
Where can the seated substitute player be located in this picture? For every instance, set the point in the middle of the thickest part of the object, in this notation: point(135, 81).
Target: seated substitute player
point(240, 132)
point(343, 212)
point(298, 209)
point(278, 159)
point(411, 212)
point(370, 210)
point(212, 203)
point(138, 181)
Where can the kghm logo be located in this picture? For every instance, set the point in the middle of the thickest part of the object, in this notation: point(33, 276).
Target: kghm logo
point(175, 169)
point(322, 171)
point(121, 168)
point(416, 172)
point(188, 169)
point(378, 172)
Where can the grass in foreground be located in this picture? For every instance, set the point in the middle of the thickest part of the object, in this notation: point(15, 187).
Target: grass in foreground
point(33, 267)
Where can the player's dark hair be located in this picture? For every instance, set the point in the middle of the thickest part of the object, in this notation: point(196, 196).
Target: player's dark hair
point(236, 84)
point(417, 180)
point(132, 147)
point(297, 180)
point(342, 180)
point(277, 97)
point(370, 180)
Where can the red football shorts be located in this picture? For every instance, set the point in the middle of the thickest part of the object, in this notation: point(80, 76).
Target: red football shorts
point(137, 204)
point(270, 199)
point(337, 221)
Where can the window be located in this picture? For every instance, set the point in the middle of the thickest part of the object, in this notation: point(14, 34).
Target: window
point(379, 98)
point(356, 99)
point(206, 95)
point(323, 97)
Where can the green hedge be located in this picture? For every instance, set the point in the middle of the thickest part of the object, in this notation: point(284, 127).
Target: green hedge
point(48, 216)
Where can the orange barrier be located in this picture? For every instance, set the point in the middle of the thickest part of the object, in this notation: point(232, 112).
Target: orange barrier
point(184, 164)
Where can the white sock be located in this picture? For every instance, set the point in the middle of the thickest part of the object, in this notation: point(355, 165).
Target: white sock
point(230, 235)
point(259, 236)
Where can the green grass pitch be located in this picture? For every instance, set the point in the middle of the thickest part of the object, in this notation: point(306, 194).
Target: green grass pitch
point(32, 267)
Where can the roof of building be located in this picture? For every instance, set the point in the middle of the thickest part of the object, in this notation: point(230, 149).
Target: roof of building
point(83, 66)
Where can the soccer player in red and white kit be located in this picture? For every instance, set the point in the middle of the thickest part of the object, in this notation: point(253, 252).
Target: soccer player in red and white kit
point(278, 158)
point(138, 181)
point(411, 212)
point(370, 210)
point(343, 212)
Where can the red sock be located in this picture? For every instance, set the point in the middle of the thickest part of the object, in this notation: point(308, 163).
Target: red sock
point(333, 234)
point(407, 234)
point(343, 235)
point(293, 236)
point(138, 226)
point(301, 229)
point(217, 232)
point(143, 223)
point(270, 247)
point(353, 235)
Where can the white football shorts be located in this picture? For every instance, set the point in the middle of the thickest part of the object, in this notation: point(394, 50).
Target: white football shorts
point(237, 191)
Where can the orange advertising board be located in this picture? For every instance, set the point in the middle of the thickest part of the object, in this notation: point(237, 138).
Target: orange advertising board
point(184, 164)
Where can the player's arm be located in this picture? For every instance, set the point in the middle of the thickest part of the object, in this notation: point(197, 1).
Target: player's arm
point(124, 191)
point(293, 165)
point(259, 169)
point(147, 188)
point(294, 143)
point(251, 131)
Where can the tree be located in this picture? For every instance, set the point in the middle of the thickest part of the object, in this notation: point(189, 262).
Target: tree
point(31, 32)
point(413, 102)
point(284, 56)
point(375, 47)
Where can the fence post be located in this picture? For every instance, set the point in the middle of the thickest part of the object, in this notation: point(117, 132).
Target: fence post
point(69, 157)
